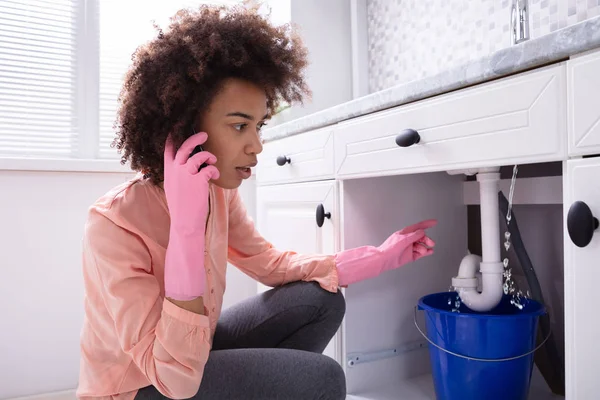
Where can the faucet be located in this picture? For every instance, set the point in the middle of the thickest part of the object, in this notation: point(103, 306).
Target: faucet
point(519, 21)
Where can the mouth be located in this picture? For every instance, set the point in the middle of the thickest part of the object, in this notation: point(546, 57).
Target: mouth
point(248, 166)
point(246, 171)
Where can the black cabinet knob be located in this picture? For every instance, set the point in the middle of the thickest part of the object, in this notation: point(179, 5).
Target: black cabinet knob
point(407, 138)
point(581, 224)
point(321, 215)
point(282, 160)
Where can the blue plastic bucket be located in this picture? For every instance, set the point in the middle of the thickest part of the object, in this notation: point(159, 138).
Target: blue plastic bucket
point(504, 332)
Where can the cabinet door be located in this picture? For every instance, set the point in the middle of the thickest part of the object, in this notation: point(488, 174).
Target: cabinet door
point(582, 274)
point(584, 113)
point(287, 218)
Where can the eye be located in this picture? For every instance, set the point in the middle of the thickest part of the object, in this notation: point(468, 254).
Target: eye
point(261, 125)
point(240, 127)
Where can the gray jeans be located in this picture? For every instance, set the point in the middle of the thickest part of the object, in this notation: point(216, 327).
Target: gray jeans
point(269, 347)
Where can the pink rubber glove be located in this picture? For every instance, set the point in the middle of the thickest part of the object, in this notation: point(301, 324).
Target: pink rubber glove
point(186, 190)
point(402, 247)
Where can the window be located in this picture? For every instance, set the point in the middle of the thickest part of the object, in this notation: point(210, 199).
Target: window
point(62, 63)
point(38, 78)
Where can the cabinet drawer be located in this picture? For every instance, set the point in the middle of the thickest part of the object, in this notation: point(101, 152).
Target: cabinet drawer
point(310, 157)
point(514, 120)
point(584, 99)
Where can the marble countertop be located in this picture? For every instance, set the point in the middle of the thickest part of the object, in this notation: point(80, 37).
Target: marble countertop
point(553, 47)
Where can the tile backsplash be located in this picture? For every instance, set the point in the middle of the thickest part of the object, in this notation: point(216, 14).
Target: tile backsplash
point(413, 39)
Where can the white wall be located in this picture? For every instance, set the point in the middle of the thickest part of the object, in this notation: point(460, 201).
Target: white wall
point(42, 216)
point(325, 28)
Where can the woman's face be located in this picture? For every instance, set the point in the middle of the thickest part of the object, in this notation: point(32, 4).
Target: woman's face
point(233, 122)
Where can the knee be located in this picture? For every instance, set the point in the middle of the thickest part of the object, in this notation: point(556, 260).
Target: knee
point(337, 303)
point(333, 378)
point(311, 293)
point(333, 303)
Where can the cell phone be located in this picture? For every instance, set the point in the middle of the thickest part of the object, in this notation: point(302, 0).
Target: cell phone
point(197, 150)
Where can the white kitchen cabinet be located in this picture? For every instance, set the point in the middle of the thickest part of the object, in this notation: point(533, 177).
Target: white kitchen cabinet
point(287, 217)
point(513, 120)
point(584, 101)
point(582, 274)
point(545, 115)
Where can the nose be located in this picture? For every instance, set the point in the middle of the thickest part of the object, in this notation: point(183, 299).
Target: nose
point(255, 146)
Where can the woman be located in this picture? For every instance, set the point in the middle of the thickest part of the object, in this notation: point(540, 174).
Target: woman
point(156, 247)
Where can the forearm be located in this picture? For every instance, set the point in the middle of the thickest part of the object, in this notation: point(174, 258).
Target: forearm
point(273, 268)
point(185, 276)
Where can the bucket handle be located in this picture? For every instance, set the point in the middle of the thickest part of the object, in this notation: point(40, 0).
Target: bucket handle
point(474, 358)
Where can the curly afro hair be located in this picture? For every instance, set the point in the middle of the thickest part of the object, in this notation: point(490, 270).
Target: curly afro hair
point(175, 76)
